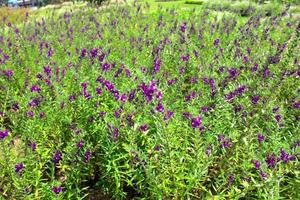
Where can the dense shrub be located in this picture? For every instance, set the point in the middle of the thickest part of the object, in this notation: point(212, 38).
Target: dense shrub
point(196, 2)
point(175, 104)
point(97, 2)
point(12, 15)
point(245, 8)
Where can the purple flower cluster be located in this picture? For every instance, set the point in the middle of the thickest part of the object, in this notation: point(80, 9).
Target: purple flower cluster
point(3, 133)
point(225, 142)
point(239, 91)
point(271, 160)
point(57, 156)
point(57, 189)
point(150, 90)
point(19, 167)
point(196, 122)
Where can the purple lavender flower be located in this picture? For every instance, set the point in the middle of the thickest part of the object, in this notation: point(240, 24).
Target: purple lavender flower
point(30, 114)
point(15, 106)
point(232, 72)
point(57, 189)
point(106, 66)
point(212, 87)
point(160, 107)
point(266, 72)
point(238, 108)
point(157, 147)
point(263, 174)
point(205, 80)
point(157, 64)
point(47, 70)
point(217, 42)
point(17, 31)
point(57, 156)
point(144, 127)
point(116, 133)
point(260, 137)
point(123, 98)
point(278, 117)
point(225, 142)
point(87, 155)
point(255, 99)
point(256, 164)
point(42, 114)
point(101, 57)
point(204, 109)
point(72, 97)
point(231, 179)
point(98, 90)
point(62, 105)
point(275, 109)
point(185, 58)
point(186, 115)
point(8, 73)
point(284, 156)
point(248, 50)
point(35, 88)
point(240, 90)
point(34, 103)
point(196, 53)
point(39, 76)
point(183, 27)
point(168, 115)
point(181, 70)
point(221, 69)
point(83, 52)
point(254, 68)
point(208, 150)
point(102, 113)
point(50, 52)
point(196, 122)
point(84, 85)
point(271, 160)
point(296, 105)
point(172, 81)
point(143, 69)
point(32, 144)
point(296, 144)
point(3, 133)
point(19, 167)
point(80, 144)
point(148, 90)
point(93, 52)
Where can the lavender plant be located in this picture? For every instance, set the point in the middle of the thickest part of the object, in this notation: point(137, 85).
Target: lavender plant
point(134, 104)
